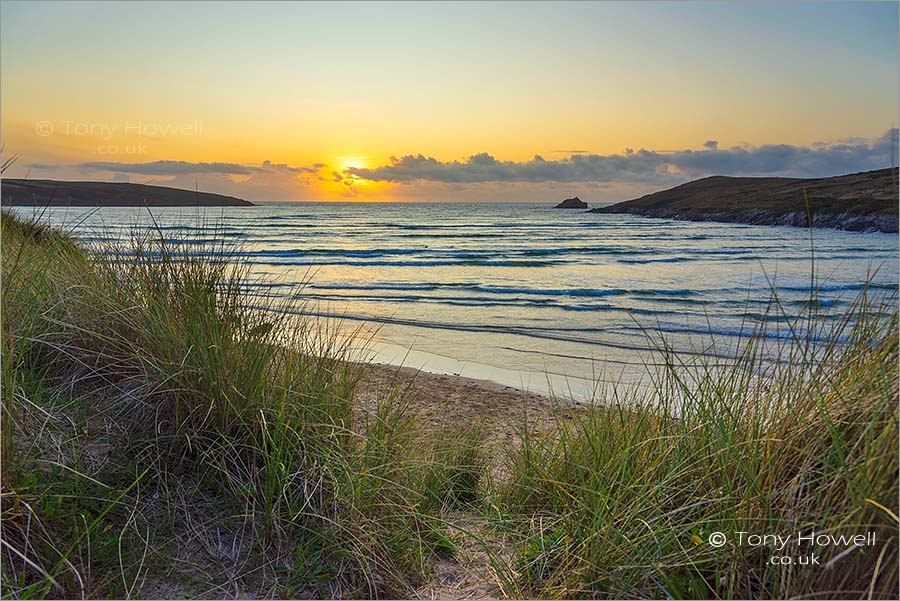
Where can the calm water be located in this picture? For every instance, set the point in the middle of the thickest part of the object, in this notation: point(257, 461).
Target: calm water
point(515, 292)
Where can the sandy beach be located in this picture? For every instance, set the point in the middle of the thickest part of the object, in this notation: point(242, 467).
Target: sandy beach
point(443, 402)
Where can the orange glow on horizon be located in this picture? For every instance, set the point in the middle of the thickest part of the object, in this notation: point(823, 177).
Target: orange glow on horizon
point(336, 184)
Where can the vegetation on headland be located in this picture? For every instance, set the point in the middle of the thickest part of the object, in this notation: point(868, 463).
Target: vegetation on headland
point(59, 193)
point(860, 201)
point(160, 438)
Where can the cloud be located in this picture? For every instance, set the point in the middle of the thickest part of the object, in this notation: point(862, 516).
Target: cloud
point(645, 166)
point(173, 168)
point(270, 166)
point(485, 168)
point(166, 167)
point(255, 181)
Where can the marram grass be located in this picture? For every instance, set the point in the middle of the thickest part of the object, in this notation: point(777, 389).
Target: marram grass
point(625, 502)
point(147, 411)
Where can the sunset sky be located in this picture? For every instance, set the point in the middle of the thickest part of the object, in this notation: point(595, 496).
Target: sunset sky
point(505, 101)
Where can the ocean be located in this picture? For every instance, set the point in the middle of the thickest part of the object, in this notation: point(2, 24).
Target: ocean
point(524, 294)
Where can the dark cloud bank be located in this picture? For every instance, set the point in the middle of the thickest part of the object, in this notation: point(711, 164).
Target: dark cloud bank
point(183, 167)
point(648, 166)
point(638, 167)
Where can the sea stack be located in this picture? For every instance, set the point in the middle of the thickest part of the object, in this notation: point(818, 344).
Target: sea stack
point(572, 203)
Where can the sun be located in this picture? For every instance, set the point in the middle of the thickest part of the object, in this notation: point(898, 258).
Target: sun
point(340, 184)
point(350, 162)
point(349, 179)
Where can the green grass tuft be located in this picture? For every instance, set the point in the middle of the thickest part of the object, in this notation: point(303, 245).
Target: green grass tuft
point(621, 502)
point(196, 412)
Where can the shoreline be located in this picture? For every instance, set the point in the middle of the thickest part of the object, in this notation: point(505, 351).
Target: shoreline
point(549, 385)
point(849, 222)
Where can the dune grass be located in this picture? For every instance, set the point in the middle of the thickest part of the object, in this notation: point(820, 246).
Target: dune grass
point(623, 502)
point(161, 438)
point(147, 412)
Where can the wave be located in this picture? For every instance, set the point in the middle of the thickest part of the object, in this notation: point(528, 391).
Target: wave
point(661, 260)
point(746, 331)
point(211, 229)
point(635, 339)
point(698, 256)
point(840, 287)
point(717, 295)
point(515, 290)
point(425, 251)
point(485, 301)
point(590, 292)
point(461, 301)
point(466, 235)
point(519, 330)
point(486, 253)
point(740, 315)
point(344, 252)
point(421, 263)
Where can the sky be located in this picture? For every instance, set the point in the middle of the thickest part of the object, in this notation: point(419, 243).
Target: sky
point(438, 101)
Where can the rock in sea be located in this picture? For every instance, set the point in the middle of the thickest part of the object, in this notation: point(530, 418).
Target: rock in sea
point(572, 203)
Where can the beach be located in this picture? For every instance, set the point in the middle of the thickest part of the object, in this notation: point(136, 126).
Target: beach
point(443, 402)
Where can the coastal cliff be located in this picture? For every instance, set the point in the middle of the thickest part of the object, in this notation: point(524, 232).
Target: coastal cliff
point(45, 192)
point(864, 201)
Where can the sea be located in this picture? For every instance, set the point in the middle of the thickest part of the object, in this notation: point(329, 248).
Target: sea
point(525, 295)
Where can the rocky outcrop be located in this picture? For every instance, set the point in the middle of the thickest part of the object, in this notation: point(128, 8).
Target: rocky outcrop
point(838, 221)
point(572, 203)
point(862, 202)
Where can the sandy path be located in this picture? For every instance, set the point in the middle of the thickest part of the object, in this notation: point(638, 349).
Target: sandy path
point(443, 402)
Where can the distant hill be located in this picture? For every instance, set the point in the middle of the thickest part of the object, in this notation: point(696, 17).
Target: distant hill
point(860, 202)
point(45, 192)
